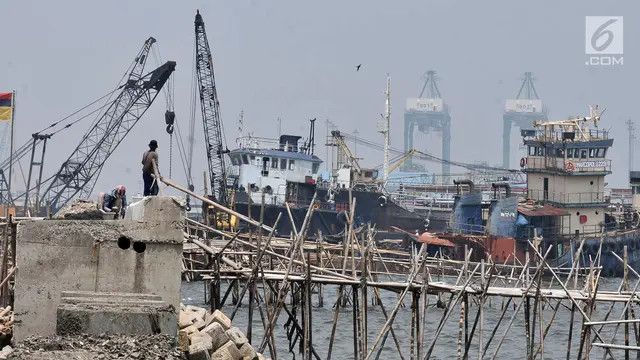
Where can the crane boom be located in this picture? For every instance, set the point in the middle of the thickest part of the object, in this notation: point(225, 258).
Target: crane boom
point(210, 108)
point(344, 148)
point(77, 175)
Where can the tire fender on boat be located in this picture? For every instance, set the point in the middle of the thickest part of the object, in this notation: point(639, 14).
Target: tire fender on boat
point(382, 201)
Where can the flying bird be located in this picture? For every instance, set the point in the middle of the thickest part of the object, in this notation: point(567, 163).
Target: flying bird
point(358, 67)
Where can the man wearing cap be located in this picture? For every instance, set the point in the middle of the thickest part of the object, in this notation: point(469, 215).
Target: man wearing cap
point(150, 183)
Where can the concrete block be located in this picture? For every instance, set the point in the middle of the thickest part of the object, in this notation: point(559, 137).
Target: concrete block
point(228, 351)
point(190, 329)
point(198, 311)
point(95, 255)
point(199, 324)
point(217, 333)
point(6, 352)
point(201, 337)
point(185, 319)
point(222, 319)
point(199, 351)
point(183, 340)
point(113, 313)
point(237, 336)
point(248, 352)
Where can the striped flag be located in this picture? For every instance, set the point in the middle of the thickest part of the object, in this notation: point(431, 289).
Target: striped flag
point(6, 106)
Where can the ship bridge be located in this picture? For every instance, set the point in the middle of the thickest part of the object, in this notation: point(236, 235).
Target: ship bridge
point(566, 164)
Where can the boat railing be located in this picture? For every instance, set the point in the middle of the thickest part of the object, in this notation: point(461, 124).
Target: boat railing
point(568, 165)
point(466, 228)
point(414, 202)
point(587, 197)
point(559, 135)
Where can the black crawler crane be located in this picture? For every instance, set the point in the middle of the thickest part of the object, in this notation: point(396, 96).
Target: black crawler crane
point(210, 108)
point(78, 174)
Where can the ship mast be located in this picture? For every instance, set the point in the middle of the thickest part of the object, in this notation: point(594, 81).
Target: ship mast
point(385, 130)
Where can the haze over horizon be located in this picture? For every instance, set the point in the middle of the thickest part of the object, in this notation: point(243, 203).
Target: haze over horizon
point(296, 61)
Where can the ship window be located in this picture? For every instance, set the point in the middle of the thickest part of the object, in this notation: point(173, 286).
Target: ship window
point(314, 167)
point(583, 153)
point(235, 160)
point(252, 157)
point(540, 151)
point(245, 160)
point(274, 163)
point(532, 150)
point(292, 164)
point(283, 164)
point(592, 152)
point(600, 152)
point(560, 153)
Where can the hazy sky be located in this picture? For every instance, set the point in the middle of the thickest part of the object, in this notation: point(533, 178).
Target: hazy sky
point(296, 60)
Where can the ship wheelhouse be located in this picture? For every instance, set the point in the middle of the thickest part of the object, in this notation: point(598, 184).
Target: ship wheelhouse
point(280, 173)
point(566, 164)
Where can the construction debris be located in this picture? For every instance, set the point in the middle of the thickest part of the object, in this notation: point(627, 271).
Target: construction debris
point(80, 210)
point(97, 347)
point(6, 324)
point(205, 336)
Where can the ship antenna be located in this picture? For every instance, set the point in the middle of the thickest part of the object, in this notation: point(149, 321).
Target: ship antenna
point(385, 130)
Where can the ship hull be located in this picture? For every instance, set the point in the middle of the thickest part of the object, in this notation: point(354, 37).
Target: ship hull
point(329, 218)
point(612, 266)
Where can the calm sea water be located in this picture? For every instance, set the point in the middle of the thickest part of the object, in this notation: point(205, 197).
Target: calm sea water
point(513, 347)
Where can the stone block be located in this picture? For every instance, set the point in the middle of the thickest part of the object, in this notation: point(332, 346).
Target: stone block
point(222, 319)
point(190, 330)
point(199, 351)
point(198, 311)
point(185, 319)
point(201, 337)
point(248, 352)
point(183, 340)
point(199, 324)
point(237, 336)
point(217, 333)
point(261, 357)
point(228, 351)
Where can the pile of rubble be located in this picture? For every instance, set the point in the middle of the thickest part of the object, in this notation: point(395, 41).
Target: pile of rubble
point(6, 324)
point(205, 336)
point(97, 347)
point(80, 210)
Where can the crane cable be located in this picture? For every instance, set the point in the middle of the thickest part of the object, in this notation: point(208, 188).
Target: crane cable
point(429, 157)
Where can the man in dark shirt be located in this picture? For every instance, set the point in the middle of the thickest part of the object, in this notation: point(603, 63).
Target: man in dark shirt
point(150, 182)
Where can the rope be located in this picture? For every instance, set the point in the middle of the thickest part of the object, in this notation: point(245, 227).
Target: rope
point(170, 154)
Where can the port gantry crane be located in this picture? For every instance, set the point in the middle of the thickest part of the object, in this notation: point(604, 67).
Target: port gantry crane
point(78, 174)
point(210, 108)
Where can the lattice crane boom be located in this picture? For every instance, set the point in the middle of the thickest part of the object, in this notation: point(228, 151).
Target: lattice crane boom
point(210, 108)
point(78, 173)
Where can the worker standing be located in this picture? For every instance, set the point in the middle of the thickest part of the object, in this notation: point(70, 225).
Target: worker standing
point(148, 176)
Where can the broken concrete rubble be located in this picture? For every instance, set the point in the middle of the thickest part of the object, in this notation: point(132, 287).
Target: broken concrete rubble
point(82, 210)
point(219, 338)
point(93, 347)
